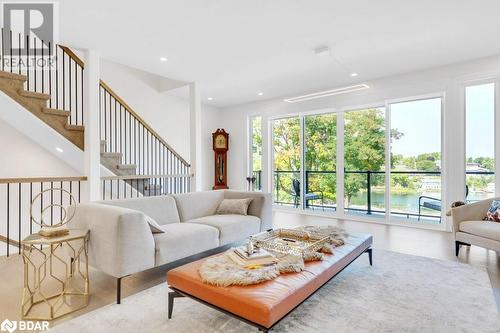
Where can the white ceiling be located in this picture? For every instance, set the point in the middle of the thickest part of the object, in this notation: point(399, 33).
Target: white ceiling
point(236, 48)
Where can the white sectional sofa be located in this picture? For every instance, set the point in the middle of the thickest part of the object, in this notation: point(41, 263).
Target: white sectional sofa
point(121, 241)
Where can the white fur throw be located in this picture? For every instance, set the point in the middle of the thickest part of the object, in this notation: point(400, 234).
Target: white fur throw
point(223, 271)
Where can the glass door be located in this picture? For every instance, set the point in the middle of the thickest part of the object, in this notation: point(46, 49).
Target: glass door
point(320, 159)
point(286, 148)
point(364, 162)
point(480, 141)
point(415, 187)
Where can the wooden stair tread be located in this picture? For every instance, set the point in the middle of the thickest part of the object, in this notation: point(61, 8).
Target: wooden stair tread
point(127, 166)
point(109, 154)
point(56, 112)
point(33, 94)
point(70, 127)
point(13, 76)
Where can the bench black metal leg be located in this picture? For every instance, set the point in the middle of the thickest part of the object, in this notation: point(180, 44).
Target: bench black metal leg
point(457, 246)
point(171, 296)
point(119, 290)
point(370, 256)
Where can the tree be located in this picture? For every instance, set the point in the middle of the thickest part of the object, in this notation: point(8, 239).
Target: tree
point(257, 143)
point(364, 150)
point(364, 147)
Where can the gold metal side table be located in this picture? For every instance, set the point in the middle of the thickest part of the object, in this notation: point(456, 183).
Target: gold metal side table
point(56, 275)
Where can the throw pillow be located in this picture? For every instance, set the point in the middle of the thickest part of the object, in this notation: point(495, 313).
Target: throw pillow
point(493, 213)
point(153, 225)
point(234, 206)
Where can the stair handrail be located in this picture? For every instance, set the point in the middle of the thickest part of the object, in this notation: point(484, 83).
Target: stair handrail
point(127, 107)
point(24, 180)
point(106, 87)
point(72, 55)
point(134, 177)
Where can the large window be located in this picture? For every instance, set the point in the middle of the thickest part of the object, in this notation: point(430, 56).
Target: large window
point(364, 162)
point(379, 162)
point(415, 186)
point(320, 139)
point(287, 161)
point(256, 153)
point(480, 141)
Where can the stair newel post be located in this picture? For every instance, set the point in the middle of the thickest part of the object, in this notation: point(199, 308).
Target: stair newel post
point(92, 147)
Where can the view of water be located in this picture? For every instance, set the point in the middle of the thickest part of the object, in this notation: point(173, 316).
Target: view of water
point(407, 203)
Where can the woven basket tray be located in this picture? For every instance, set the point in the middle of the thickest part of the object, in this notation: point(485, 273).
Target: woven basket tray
point(290, 241)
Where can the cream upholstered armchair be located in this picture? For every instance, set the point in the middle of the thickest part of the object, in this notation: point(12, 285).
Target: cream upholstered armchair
point(470, 229)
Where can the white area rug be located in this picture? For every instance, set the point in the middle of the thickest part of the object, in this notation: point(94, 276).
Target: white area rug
point(400, 293)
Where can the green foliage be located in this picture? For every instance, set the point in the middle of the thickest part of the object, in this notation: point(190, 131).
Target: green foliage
point(257, 143)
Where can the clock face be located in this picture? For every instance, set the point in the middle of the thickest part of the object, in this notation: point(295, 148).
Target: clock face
point(220, 142)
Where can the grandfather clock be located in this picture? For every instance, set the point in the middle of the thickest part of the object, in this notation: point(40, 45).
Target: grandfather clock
point(220, 145)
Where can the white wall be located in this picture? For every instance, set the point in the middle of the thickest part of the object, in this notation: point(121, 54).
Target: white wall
point(22, 157)
point(164, 111)
point(448, 80)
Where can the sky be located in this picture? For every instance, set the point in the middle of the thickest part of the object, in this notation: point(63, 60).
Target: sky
point(480, 120)
point(420, 121)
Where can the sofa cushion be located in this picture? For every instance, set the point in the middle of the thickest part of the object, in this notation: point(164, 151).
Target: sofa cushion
point(486, 229)
point(234, 206)
point(231, 228)
point(162, 209)
point(153, 225)
point(197, 204)
point(181, 240)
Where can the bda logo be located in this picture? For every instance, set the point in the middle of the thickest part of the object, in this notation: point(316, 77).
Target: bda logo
point(8, 325)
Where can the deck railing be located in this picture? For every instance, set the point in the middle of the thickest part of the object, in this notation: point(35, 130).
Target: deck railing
point(284, 194)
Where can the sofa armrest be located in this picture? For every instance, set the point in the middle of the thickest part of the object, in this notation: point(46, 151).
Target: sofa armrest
point(475, 211)
point(261, 206)
point(120, 242)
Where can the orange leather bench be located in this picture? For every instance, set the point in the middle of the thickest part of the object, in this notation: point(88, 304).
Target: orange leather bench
point(264, 305)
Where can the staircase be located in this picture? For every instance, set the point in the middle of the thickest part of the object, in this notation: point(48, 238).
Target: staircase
point(142, 162)
point(113, 162)
point(130, 148)
point(13, 85)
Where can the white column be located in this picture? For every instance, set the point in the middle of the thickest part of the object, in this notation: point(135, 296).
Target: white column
point(453, 149)
point(340, 164)
point(92, 154)
point(195, 136)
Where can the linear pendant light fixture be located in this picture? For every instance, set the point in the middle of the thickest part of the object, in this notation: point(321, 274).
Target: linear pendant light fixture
point(326, 93)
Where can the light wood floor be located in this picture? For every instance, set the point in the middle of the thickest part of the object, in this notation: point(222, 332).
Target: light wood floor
point(407, 240)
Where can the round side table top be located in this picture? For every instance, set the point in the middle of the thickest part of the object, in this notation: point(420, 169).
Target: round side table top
point(37, 239)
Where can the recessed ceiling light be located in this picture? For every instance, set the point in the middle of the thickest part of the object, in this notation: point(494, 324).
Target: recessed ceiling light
point(210, 98)
point(323, 50)
point(59, 149)
point(326, 93)
point(163, 59)
point(260, 93)
point(354, 74)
